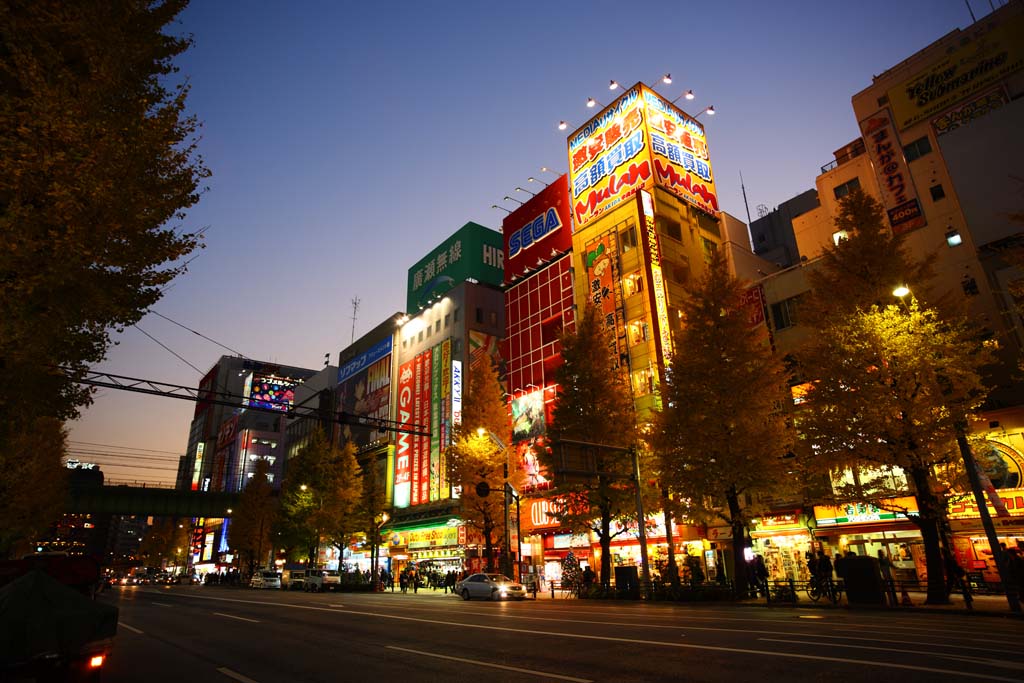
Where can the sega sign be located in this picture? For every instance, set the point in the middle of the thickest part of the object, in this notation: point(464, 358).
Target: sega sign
point(533, 232)
point(545, 217)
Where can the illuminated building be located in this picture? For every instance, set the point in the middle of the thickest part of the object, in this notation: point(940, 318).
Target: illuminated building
point(455, 320)
point(941, 142)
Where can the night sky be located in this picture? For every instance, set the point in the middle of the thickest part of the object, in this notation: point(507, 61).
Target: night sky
point(347, 139)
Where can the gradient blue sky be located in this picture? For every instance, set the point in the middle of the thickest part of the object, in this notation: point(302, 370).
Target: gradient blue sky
point(347, 139)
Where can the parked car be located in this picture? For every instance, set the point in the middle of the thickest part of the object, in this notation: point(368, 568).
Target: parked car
point(265, 579)
point(489, 587)
point(294, 579)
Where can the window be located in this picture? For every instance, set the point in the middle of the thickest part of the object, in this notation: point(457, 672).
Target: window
point(678, 273)
point(494, 318)
point(784, 313)
point(883, 100)
point(455, 315)
point(670, 228)
point(632, 284)
point(937, 192)
point(447, 319)
point(627, 238)
point(638, 332)
point(846, 188)
point(437, 325)
point(457, 346)
point(421, 335)
point(709, 249)
point(479, 314)
point(917, 149)
point(708, 223)
point(643, 382)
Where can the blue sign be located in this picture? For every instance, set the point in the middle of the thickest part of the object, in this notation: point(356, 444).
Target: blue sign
point(364, 360)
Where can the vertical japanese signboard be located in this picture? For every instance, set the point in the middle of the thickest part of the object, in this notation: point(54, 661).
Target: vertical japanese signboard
point(898, 194)
point(599, 259)
point(435, 422)
point(404, 450)
point(638, 141)
point(445, 431)
point(659, 300)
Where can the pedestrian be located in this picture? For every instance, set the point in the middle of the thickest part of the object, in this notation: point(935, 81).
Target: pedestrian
point(761, 574)
point(403, 580)
point(1015, 568)
point(588, 579)
point(956, 577)
point(885, 567)
point(812, 564)
point(415, 579)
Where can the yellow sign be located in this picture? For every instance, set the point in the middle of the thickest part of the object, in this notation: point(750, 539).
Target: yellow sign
point(862, 513)
point(964, 72)
point(964, 506)
point(431, 537)
point(638, 141)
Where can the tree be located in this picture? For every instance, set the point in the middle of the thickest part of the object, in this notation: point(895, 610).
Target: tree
point(594, 404)
point(166, 541)
point(98, 163)
point(250, 530)
point(33, 487)
point(373, 514)
point(722, 434)
point(321, 496)
point(889, 382)
point(478, 465)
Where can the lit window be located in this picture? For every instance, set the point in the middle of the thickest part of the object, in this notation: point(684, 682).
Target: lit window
point(632, 284)
point(839, 236)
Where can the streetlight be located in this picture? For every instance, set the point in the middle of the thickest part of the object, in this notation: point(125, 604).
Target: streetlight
point(519, 189)
point(383, 518)
point(531, 179)
point(971, 465)
point(687, 94)
point(545, 169)
point(710, 111)
point(512, 199)
point(507, 491)
point(495, 206)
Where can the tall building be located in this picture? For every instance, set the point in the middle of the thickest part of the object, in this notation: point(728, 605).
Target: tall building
point(455, 321)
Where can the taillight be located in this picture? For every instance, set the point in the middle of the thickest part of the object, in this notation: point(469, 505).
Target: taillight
point(96, 661)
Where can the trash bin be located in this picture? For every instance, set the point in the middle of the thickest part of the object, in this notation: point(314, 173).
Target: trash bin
point(864, 584)
point(627, 582)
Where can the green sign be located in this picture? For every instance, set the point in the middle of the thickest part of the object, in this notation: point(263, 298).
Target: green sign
point(473, 252)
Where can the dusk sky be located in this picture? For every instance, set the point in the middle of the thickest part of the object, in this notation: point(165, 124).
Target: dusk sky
point(347, 139)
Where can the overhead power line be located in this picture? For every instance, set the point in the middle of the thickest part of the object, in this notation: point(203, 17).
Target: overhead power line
point(199, 334)
point(168, 349)
point(130, 448)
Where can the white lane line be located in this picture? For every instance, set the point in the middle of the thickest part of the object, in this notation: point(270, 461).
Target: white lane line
point(130, 628)
point(232, 616)
point(477, 662)
point(162, 604)
point(654, 643)
point(337, 605)
point(944, 655)
point(235, 675)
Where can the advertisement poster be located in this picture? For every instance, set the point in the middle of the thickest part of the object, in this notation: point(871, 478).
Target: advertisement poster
point(659, 299)
point(423, 392)
point(404, 450)
point(968, 112)
point(680, 151)
point(364, 390)
point(528, 428)
point(599, 260)
point(898, 194)
point(445, 431)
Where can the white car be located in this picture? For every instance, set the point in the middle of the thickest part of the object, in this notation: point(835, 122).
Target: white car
point(489, 587)
point(265, 579)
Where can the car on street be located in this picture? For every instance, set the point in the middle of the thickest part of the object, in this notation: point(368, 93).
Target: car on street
point(489, 587)
point(265, 579)
point(294, 579)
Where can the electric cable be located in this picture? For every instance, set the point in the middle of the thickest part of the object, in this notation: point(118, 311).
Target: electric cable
point(199, 334)
point(131, 448)
point(168, 349)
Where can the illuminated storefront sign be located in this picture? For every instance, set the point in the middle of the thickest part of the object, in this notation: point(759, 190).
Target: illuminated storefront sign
point(599, 258)
point(659, 300)
point(886, 152)
point(539, 229)
point(968, 112)
point(965, 70)
point(473, 252)
point(638, 141)
point(403, 454)
point(435, 422)
point(268, 391)
point(456, 392)
point(861, 513)
point(964, 507)
point(446, 416)
point(197, 470)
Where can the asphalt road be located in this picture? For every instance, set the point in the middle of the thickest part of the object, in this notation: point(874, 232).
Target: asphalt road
point(198, 633)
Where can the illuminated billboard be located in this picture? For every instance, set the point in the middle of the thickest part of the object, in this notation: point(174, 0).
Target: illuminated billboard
point(886, 153)
point(269, 391)
point(638, 141)
point(473, 252)
point(659, 298)
point(963, 71)
point(364, 390)
point(539, 230)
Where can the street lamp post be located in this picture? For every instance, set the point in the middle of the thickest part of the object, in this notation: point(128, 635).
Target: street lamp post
point(506, 550)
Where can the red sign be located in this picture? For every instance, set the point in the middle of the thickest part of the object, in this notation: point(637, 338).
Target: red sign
point(403, 453)
point(539, 230)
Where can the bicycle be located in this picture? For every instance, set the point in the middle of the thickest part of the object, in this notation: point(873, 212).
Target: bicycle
point(816, 588)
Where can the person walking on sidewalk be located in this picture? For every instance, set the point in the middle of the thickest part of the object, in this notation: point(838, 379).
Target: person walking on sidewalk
point(885, 567)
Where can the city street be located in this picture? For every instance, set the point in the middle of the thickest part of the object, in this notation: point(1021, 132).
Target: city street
point(198, 633)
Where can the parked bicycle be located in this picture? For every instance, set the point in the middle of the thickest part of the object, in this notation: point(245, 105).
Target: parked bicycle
point(819, 587)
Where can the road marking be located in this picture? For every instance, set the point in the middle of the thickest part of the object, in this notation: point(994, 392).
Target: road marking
point(235, 675)
point(337, 605)
point(477, 662)
point(130, 628)
point(162, 604)
point(583, 636)
point(944, 655)
point(232, 616)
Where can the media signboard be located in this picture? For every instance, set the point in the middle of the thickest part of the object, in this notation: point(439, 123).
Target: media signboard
point(472, 252)
point(886, 153)
point(539, 230)
point(427, 386)
point(364, 390)
point(638, 141)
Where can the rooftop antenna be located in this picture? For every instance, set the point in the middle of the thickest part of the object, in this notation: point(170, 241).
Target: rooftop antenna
point(355, 309)
point(745, 204)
